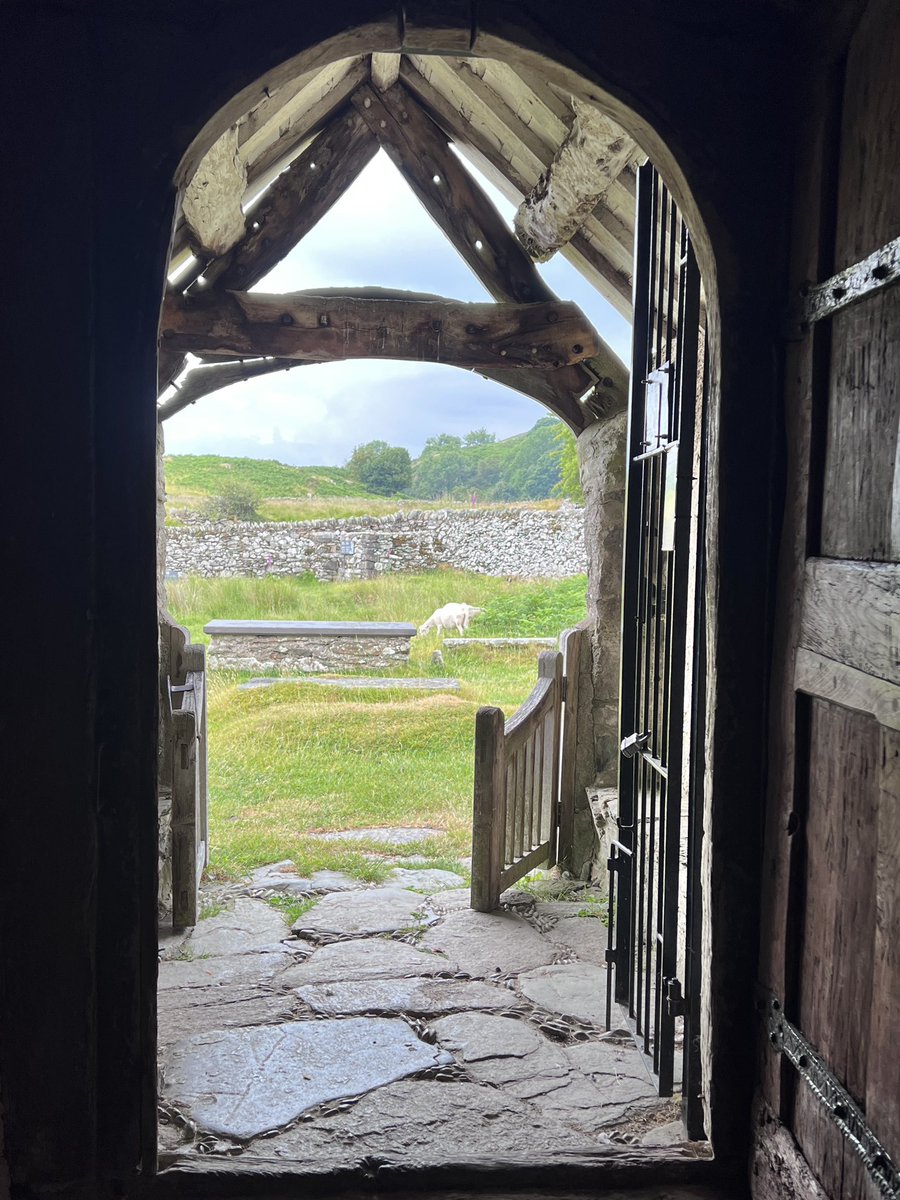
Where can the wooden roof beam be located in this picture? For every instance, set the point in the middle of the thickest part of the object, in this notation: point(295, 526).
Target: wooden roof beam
point(584, 168)
point(385, 71)
point(207, 378)
point(466, 215)
point(313, 327)
point(296, 202)
point(450, 195)
point(212, 200)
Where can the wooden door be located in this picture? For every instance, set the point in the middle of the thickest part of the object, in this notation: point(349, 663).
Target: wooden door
point(830, 953)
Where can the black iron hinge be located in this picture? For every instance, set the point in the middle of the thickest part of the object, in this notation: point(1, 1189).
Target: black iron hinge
point(836, 1102)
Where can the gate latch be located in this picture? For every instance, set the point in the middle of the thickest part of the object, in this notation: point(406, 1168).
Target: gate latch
point(635, 744)
point(675, 1005)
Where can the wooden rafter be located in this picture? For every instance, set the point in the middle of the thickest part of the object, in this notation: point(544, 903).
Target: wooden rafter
point(515, 152)
point(449, 195)
point(593, 155)
point(212, 200)
point(296, 201)
point(468, 218)
point(326, 328)
point(207, 378)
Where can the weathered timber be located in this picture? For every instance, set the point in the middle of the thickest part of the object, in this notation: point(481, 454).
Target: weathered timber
point(212, 200)
point(468, 218)
point(850, 614)
point(512, 152)
point(296, 201)
point(316, 328)
point(385, 70)
point(570, 642)
point(838, 922)
point(860, 505)
point(207, 378)
point(273, 145)
point(829, 680)
point(778, 1170)
point(450, 195)
point(488, 818)
point(882, 1098)
point(593, 155)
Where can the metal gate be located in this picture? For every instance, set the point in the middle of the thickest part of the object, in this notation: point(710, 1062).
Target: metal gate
point(654, 877)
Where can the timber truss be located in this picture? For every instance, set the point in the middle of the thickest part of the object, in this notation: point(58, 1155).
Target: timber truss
point(267, 181)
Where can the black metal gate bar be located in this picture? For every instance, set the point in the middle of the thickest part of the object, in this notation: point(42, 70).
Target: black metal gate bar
point(645, 943)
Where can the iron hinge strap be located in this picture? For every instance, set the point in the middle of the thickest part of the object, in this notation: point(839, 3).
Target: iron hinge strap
point(835, 1100)
point(819, 301)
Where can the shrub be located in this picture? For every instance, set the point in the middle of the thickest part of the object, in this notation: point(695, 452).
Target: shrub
point(235, 502)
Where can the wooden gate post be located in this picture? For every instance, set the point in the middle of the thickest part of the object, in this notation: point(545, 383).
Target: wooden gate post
point(489, 815)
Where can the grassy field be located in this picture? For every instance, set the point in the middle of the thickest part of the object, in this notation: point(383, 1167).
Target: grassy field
point(296, 759)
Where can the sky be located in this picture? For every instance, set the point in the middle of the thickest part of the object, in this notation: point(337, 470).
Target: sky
point(377, 234)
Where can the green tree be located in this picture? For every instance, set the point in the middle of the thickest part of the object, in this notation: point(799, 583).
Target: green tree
point(235, 502)
point(479, 437)
point(566, 454)
point(441, 467)
point(380, 468)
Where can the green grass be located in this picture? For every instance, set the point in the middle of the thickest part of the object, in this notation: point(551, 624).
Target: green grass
point(204, 475)
point(297, 758)
point(513, 608)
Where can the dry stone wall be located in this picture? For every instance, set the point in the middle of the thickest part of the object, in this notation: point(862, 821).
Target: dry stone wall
point(503, 542)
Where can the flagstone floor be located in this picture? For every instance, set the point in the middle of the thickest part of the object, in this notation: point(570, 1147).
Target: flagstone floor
point(392, 1024)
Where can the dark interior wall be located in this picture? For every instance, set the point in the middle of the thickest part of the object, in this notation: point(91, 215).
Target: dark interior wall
point(100, 103)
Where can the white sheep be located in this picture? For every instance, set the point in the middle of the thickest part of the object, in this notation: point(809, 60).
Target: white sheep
point(451, 616)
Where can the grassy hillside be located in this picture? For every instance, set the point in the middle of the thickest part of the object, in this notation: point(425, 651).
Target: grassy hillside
point(205, 475)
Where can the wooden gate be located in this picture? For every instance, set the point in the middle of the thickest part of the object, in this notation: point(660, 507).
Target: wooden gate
point(524, 779)
point(654, 861)
point(186, 759)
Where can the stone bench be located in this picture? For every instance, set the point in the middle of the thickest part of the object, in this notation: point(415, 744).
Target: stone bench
point(308, 647)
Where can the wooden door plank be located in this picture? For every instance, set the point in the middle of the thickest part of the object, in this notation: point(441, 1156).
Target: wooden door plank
point(835, 979)
point(851, 613)
point(829, 680)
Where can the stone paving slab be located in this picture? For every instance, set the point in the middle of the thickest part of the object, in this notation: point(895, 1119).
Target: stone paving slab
point(222, 1008)
point(250, 925)
point(361, 914)
point(256, 969)
point(369, 958)
point(426, 879)
point(453, 900)
point(283, 877)
point(428, 1123)
point(614, 1066)
point(425, 997)
point(474, 1036)
point(244, 1082)
point(488, 944)
point(379, 683)
point(586, 936)
point(572, 989)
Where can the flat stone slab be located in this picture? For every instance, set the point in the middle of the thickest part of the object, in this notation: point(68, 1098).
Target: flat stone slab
point(425, 1122)
point(283, 877)
point(572, 989)
point(426, 997)
point(224, 971)
point(487, 944)
point(250, 925)
point(586, 936)
point(453, 900)
point(361, 914)
point(240, 1083)
point(300, 629)
point(426, 879)
point(352, 683)
point(223, 1008)
point(396, 836)
point(501, 1051)
point(371, 958)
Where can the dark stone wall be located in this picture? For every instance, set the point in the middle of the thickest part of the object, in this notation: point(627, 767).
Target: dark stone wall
point(100, 102)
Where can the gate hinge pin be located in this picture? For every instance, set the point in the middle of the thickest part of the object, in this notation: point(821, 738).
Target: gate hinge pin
point(675, 1000)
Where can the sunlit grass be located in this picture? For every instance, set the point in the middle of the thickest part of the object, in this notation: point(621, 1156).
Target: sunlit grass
point(294, 759)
